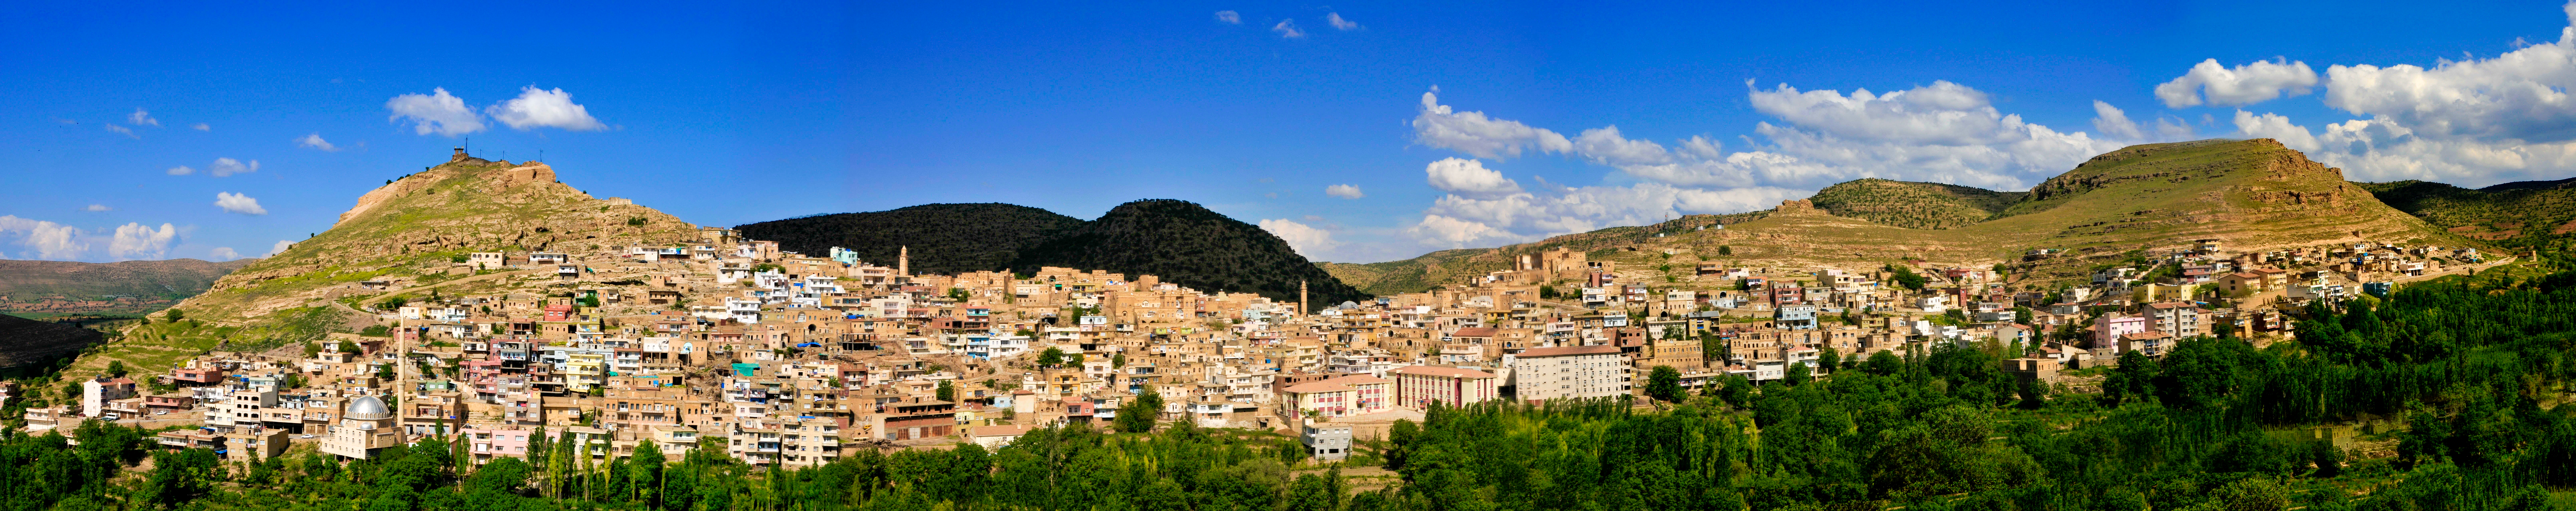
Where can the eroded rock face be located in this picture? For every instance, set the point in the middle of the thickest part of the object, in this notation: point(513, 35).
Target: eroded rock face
point(25, 341)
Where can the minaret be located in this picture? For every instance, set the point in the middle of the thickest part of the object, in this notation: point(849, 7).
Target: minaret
point(1301, 299)
point(903, 261)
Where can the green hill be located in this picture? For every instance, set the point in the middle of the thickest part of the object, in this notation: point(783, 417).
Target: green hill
point(1913, 205)
point(39, 288)
point(1177, 241)
point(945, 238)
point(2517, 214)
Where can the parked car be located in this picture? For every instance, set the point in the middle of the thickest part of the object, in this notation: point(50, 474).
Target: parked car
point(307, 436)
point(112, 416)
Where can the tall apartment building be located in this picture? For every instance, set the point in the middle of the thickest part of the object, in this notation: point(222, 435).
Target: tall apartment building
point(1540, 374)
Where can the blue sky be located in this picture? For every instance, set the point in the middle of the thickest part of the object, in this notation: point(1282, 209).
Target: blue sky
point(1546, 118)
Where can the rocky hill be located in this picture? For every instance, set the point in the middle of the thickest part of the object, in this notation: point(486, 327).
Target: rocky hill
point(2518, 214)
point(410, 232)
point(1178, 241)
point(125, 287)
point(2249, 194)
point(945, 238)
point(1911, 204)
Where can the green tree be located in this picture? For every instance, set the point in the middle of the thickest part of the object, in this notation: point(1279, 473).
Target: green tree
point(1052, 357)
point(1725, 250)
point(116, 368)
point(947, 391)
point(173, 315)
point(1140, 414)
point(1664, 383)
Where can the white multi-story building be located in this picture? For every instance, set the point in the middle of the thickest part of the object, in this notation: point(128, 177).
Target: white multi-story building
point(1569, 372)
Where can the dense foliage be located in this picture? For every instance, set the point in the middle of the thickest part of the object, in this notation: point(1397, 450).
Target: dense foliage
point(945, 238)
point(1178, 241)
point(1186, 244)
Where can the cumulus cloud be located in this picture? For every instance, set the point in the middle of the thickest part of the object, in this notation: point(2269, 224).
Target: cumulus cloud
point(536, 108)
point(2114, 123)
point(315, 141)
point(1344, 191)
point(1440, 126)
point(141, 118)
point(44, 239)
point(1942, 132)
point(138, 241)
point(238, 203)
point(98, 207)
point(228, 166)
point(2242, 85)
point(223, 254)
point(1469, 178)
point(436, 112)
point(279, 248)
point(1339, 23)
point(1308, 240)
point(203, 127)
point(1229, 17)
point(1288, 29)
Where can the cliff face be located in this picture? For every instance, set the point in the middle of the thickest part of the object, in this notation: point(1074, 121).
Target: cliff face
point(26, 341)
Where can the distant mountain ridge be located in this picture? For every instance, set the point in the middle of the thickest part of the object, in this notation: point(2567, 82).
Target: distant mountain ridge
point(67, 287)
point(1178, 241)
point(2246, 194)
point(2519, 214)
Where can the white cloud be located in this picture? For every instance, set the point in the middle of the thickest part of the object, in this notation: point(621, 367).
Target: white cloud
point(1438, 125)
point(1943, 132)
point(181, 170)
point(203, 127)
point(2114, 123)
point(278, 248)
point(1338, 23)
point(1308, 240)
point(141, 118)
point(1288, 29)
point(1469, 178)
point(98, 207)
point(2276, 127)
point(1229, 17)
point(536, 108)
point(2247, 84)
point(238, 203)
point(129, 132)
point(228, 166)
point(138, 241)
point(223, 254)
point(1344, 191)
point(434, 113)
point(315, 141)
point(48, 240)
point(2518, 95)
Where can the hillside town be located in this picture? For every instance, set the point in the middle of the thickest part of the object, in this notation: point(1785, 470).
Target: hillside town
point(788, 359)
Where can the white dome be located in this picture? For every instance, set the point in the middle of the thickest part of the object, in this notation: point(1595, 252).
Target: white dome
point(367, 408)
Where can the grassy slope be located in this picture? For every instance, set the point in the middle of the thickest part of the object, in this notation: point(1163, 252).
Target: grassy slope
point(2511, 217)
point(1913, 205)
point(419, 223)
point(2250, 193)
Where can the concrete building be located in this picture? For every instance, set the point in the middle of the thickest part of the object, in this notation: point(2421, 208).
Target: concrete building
point(1540, 374)
point(1421, 386)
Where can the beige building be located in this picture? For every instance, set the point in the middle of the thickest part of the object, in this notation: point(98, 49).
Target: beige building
point(366, 426)
point(1540, 374)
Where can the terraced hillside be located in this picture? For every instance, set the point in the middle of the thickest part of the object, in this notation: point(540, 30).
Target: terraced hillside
point(2519, 214)
point(1913, 205)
